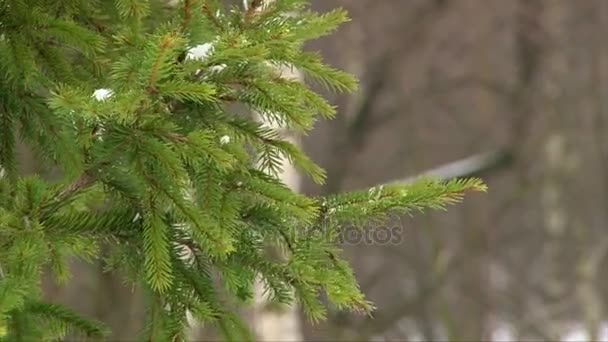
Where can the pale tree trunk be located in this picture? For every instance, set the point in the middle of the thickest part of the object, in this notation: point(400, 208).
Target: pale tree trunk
point(590, 263)
point(556, 156)
point(271, 323)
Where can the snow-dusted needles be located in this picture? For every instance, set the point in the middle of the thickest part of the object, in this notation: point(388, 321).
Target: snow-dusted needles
point(217, 68)
point(102, 94)
point(200, 52)
point(224, 140)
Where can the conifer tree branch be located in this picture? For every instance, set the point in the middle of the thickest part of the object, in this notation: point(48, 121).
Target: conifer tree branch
point(166, 43)
point(70, 318)
point(210, 16)
point(159, 136)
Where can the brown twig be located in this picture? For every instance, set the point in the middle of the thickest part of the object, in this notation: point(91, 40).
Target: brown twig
point(84, 182)
point(187, 14)
point(253, 8)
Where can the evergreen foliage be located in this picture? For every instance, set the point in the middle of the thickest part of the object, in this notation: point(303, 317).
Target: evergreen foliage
point(158, 165)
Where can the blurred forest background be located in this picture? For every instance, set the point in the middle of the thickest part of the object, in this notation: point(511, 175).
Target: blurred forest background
point(524, 81)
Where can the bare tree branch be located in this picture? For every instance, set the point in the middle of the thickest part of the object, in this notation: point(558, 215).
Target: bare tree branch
point(472, 166)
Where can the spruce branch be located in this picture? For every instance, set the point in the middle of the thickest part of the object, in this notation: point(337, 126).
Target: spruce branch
point(71, 320)
point(166, 45)
point(208, 13)
point(178, 167)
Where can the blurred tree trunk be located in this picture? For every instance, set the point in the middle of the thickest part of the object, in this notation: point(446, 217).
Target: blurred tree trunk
point(589, 268)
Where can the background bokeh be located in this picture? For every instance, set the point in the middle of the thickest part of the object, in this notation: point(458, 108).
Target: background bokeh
point(444, 80)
